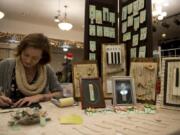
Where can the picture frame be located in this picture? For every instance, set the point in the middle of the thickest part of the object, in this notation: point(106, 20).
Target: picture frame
point(169, 90)
point(91, 93)
point(84, 69)
point(123, 90)
point(144, 71)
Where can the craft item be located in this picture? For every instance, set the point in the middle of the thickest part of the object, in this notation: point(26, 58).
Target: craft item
point(99, 31)
point(124, 27)
point(136, 23)
point(92, 13)
point(91, 92)
point(92, 45)
point(142, 52)
point(112, 18)
point(98, 16)
point(141, 4)
point(130, 21)
point(92, 30)
point(92, 56)
point(28, 117)
point(135, 40)
point(124, 13)
point(143, 33)
point(105, 14)
point(135, 8)
point(133, 52)
point(130, 8)
point(143, 16)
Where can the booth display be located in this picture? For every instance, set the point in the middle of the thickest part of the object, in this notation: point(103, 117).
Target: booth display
point(113, 64)
point(144, 73)
point(84, 69)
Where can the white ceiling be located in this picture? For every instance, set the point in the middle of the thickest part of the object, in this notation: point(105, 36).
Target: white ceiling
point(43, 11)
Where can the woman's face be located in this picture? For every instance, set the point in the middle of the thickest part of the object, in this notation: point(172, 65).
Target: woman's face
point(30, 57)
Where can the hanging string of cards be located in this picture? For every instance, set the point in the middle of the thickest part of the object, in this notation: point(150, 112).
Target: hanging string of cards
point(133, 26)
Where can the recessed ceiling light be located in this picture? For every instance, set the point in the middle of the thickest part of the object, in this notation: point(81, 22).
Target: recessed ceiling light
point(164, 35)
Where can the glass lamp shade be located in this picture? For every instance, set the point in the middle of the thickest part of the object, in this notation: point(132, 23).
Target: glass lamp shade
point(65, 26)
point(1, 15)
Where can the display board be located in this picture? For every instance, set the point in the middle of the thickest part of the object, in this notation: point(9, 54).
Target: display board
point(100, 27)
point(113, 62)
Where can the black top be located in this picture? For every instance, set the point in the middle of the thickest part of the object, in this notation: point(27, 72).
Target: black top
point(16, 94)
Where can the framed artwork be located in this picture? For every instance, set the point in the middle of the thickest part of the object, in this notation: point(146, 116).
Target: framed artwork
point(113, 64)
point(91, 93)
point(123, 90)
point(170, 82)
point(144, 72)
point(86, 69)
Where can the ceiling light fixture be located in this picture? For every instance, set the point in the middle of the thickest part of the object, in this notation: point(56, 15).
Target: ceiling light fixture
point(1, 15)
point(157, 10)
point(64, 25)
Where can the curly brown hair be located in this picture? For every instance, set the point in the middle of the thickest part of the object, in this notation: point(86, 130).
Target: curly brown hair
point(39, 41)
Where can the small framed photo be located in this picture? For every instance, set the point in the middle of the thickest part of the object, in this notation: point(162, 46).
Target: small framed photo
point(123, 90)
point(91, 93)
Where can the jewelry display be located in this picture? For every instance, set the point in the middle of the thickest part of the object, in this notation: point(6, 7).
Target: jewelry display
point(105, 14)
point(143, 16)
point(141, 4)
point(92, 46)
point(92, 56)
point(98, 17)
point(133, 52)
point(124, 27)
point(92, 13)
point(113, 64)
point(83, 70)
point(144, 74)
point(130, 8)
point(135, 8)
point(135, 27)
point(130, 21)
point(124, 13)
point(135, 40)
point(92, 30)
point(136, 23)
point(143, 33)
point(112, 18)
point(99, 31)
point(142, 52)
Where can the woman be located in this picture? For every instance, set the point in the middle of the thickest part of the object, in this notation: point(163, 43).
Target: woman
point(28, 79)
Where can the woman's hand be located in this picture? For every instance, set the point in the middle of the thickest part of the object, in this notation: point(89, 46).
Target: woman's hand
point(5, 101)
point(28, 100)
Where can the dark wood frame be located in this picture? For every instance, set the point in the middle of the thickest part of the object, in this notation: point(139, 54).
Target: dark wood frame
point(165, 82)
point(84, 97)
point(133, 95)
point(77, 98)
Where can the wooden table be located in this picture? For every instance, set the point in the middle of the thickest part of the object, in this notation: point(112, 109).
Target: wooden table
point(164, 122)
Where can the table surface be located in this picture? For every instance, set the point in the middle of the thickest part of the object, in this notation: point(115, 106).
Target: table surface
point(163, 122)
